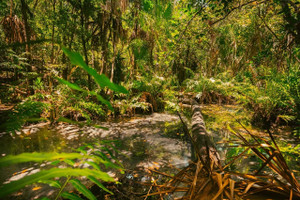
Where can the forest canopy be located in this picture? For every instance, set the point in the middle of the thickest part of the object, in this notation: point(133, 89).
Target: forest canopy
point(156, 47)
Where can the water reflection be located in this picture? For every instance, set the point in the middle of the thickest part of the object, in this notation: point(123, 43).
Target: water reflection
point(154, 142)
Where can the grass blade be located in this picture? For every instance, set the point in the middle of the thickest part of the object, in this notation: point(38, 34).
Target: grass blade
point(36, 157)
point(51, 183)
point(70, 196)
point(81, 188)
point(52, 173)
point(94, 180)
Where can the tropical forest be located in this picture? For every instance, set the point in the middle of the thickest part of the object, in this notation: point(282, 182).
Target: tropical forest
point(150, 99)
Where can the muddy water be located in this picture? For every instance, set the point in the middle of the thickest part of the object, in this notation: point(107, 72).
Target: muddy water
point(144, 142)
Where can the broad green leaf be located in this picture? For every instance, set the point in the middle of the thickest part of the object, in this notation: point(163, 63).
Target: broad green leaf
point(70, 196)
point(81, 188)
point(52, 173)
point(94, 165)
point(70, 162)
point(104, 101)
point(36, 157)
point(52, 183)
point(101, 80)
point(75, 58)
point(71, 85)
point(102, 155)
point(82, 149)
point(55, 163)
point(94, 180)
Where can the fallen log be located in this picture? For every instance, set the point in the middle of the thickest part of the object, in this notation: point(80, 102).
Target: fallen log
point(206, 179)
point(203, 146)
point(203, 143)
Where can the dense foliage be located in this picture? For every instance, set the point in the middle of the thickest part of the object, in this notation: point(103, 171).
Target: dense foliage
point(251, 49)
point(142, 56)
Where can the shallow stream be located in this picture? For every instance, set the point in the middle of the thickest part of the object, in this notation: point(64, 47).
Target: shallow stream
point(145, 142)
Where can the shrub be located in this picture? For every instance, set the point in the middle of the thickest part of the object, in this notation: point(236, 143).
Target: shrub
point(24, 112)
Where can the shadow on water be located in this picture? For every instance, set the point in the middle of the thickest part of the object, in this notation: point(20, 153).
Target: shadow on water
point(142, 143)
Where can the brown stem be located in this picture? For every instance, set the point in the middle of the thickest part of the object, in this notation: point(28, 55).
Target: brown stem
point(11, 8)
point(53, 29)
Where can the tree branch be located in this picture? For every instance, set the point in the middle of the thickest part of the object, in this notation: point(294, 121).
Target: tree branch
point(234, 8)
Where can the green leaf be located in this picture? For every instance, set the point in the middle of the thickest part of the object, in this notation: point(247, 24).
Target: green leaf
point(81, 188)
point(69, 162)
point(94, 165)
point(147, 5)
point(70, 196)
point(94, 180)
point(82, 150)
point(168, 12)
point(287, 118)
point(75, 58)
point(106, 162)
point(71, 85)
point(36, 157)
point(76, 87)
point(51, 183)
point(55, 163)
point(101, 80)
point(52, 173)
point(102, 155)
point(104, 101)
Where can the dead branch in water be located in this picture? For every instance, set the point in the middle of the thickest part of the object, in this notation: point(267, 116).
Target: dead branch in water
point(207, 179)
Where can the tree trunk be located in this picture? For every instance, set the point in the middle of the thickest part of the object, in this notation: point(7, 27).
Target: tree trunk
point(26, 26)
point(11, 8)
point(53, 32)
point(204, 147)
point(84, 26)
point(27, 36)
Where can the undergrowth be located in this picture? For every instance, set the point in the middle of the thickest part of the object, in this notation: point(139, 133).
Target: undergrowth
point(94, 155)
point(273, 97)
